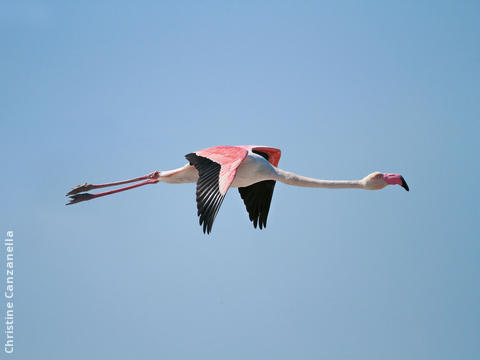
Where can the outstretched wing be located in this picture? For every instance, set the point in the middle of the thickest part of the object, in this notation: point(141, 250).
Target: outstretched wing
point(257, 197)
point(216, 168)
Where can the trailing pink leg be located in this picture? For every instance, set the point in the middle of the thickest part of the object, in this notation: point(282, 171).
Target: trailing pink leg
point(75, 197)
point(86, 187)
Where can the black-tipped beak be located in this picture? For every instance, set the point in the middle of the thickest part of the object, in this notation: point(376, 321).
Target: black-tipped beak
point(404, 184)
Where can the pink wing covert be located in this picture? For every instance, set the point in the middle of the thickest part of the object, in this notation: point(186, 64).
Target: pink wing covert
point(229, 158)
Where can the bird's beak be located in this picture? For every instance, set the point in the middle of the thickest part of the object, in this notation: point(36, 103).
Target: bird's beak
point(404, 184)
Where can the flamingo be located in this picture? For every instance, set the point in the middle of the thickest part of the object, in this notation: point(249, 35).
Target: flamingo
point(251, 169)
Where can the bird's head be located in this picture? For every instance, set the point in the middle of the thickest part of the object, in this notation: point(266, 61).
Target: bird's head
point(378, 180)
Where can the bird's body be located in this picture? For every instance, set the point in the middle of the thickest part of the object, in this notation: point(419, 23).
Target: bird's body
point(251, 169)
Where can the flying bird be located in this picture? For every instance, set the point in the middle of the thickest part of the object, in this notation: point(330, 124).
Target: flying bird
point(251, 169)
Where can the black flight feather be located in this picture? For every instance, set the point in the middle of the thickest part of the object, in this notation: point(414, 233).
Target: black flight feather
point(209, 197)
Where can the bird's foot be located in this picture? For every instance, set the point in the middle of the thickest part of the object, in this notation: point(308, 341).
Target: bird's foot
point(80, 197)
point(80, 188)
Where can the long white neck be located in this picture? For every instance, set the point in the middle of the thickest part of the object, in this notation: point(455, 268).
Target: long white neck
point(298, 180)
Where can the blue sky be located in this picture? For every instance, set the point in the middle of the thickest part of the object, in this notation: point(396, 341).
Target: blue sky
point(103, 91)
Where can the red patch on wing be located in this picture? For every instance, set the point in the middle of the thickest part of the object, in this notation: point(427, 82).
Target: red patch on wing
point(273, 154)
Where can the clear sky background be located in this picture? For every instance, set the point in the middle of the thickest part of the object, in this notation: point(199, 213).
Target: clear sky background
point(105, 90)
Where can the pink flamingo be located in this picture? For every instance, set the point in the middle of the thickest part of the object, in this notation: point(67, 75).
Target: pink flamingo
point(251, 169)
